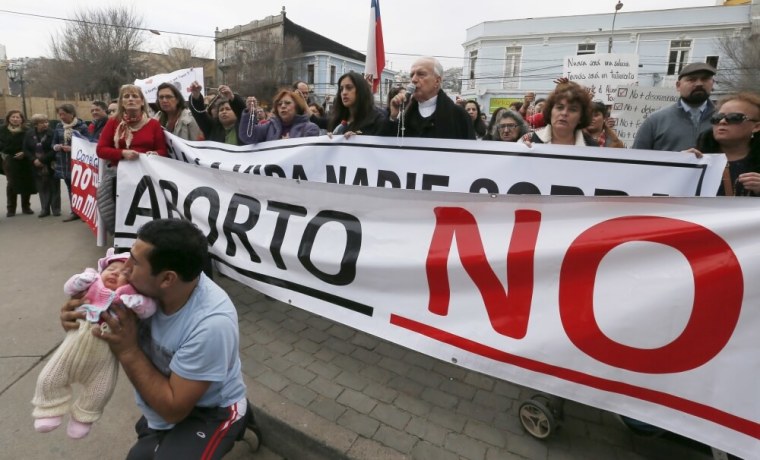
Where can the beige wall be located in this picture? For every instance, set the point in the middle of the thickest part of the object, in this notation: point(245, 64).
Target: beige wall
point(45, 105)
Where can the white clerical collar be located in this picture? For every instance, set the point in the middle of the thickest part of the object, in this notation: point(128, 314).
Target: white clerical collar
point(428, 107)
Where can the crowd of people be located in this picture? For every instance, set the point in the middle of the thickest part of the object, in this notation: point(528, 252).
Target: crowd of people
point(199, 391)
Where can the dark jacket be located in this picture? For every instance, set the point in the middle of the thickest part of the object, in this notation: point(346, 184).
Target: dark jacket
point(212, 129)
point(706, 143)
point(95, 128)
point(39, 146)
point(272, 129)
point(449, 121)
point(17, 170)
point(372, 125)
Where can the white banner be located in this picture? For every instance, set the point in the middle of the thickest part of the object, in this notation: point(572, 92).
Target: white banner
point(464, 166)
point(180, 78)
point(603, 73)
point(642, 306)
point(633, 104)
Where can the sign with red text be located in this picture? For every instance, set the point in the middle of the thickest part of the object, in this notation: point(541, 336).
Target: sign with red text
point(633, 104)
point(84, 180)
point(644, 306)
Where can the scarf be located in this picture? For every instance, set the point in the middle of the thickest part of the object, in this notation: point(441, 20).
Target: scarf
point(15, 129)
point(68, 129)
point(125, 129)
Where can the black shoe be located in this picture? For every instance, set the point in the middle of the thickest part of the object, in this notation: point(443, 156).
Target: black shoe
point(57, 214)
point(43, 214)
point(72, 217)
point(27, 211)
point(10, 213)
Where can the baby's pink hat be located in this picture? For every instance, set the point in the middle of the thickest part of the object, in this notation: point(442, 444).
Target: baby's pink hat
point(111, 257)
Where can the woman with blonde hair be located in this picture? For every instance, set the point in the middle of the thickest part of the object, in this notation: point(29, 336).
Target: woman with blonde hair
point(129, 133)
point(291, 119)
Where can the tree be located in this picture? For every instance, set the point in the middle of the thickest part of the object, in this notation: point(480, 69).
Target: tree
point(95, 53)
point(742, 71)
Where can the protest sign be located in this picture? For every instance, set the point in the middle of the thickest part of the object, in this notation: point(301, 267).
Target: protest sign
point(602, 73)
point(180, 78)
point(633, 104)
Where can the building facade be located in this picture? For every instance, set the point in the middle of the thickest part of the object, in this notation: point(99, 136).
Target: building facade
point(275, 52)
point(504, 59)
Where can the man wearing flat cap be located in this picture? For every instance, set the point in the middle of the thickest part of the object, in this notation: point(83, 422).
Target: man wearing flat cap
point(677, 127)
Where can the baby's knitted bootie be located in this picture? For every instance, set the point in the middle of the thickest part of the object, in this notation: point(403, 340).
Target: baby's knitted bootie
point(77, 430)
point(45, 424)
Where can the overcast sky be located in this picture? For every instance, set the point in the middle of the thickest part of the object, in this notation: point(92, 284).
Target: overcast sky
point(411, 27)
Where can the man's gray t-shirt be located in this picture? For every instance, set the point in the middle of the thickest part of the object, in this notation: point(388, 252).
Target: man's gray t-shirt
point(198, 342)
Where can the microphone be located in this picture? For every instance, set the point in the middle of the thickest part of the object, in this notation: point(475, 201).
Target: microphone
point(410, 89)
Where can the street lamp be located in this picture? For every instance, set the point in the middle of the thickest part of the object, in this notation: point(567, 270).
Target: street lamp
point(16, 74)
point(618, 6)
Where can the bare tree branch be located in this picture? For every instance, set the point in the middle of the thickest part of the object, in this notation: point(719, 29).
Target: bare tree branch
point(742, 71)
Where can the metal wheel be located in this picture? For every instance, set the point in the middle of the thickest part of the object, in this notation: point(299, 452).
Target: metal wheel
point(537, 420)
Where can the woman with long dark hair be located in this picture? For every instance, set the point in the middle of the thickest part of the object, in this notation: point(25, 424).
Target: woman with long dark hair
point(473, 110)
point(17, 165)
point(354, 111)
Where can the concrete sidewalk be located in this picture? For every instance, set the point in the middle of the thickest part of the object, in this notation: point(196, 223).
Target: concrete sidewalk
point(36, 257)
point(320, 390)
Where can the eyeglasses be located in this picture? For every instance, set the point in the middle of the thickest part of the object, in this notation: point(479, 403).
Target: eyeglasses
point(733, 118)
point(508, 126)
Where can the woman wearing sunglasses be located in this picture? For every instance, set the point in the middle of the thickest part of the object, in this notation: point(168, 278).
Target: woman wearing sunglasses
point(734, 128)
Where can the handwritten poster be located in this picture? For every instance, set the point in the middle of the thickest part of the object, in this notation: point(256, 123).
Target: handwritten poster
point(602, 73)
point(633, 104)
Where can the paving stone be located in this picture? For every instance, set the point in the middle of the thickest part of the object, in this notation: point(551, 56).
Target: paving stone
point(273, 380)
point(447, 419)
point(299, 357)
point(351, 380)
point(412, 404)
point(476, 411)
point(327, 408)
point(425, 377)
point(494, 453)
point(420, 360)
point(395, 439)
point(357, 401)
point(465, 446)
point(391, 416)
point(485, 433)
point(449, 370)
point(279, 364)
point(293, 325)
point(299, 315)
point(299, 375)
point(326, 387)
point(380, 392)
point(527, 446)
point(315, 335)
point(341, 331)
point(439, 398)
point(427, 430)
point(307, 345)
point(366, 356)
point(426, 451)
point(341, 347)
point(367, 449)
point(490, 399)
point(394, 365)
point(361, 424)
point(319, 322)
point(458, 389)
point(298, 394)
point(279, 348)
point(326, 370)
point(390, 350)
point(274, 316)
point(509, 421)
point(510, 390)
point(258, 352)
point(405, 385)
point(479, 380)
point(377, 374)
point(347, 363)
point(366, 341)
point(325, 354)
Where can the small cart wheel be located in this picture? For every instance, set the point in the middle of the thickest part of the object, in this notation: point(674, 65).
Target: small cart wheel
point(537, 419)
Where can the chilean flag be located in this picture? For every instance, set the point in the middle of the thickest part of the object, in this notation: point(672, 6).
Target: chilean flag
point(375, 64)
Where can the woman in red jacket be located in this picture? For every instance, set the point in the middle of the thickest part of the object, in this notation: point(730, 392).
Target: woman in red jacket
point(125, 136)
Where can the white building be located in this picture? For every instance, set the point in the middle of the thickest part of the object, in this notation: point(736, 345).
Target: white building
point(504, 59)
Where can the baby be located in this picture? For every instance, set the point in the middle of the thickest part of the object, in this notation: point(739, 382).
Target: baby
point(82, 357)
